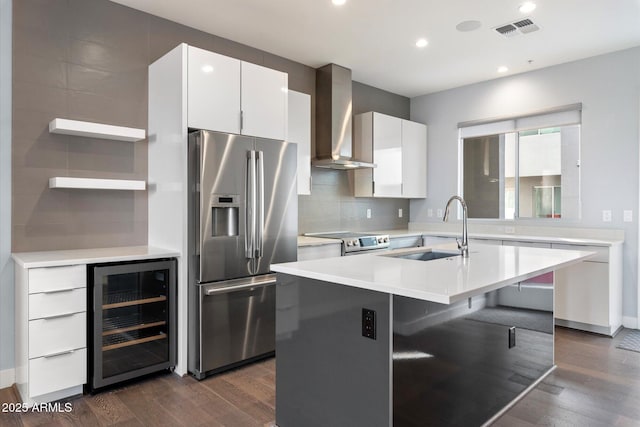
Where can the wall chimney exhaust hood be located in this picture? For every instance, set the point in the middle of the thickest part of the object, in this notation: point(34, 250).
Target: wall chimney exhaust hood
point(333, 120)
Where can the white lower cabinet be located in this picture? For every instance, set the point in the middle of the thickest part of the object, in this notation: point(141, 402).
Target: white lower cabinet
point(589, 294)
point(56, 335)
point(582, 293)
point(50, 324)
point(62, 371)
point(586, 296)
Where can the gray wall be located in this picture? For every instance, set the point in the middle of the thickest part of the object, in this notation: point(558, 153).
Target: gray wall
point(331, 205)
point(87, 60)
point(608, 87)
point(6, 266)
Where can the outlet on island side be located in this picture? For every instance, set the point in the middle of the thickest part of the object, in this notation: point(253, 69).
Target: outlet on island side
point(368, 323)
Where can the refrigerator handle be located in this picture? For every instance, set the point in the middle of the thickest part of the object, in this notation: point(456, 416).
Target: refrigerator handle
point(250, 205)
point(260, 214)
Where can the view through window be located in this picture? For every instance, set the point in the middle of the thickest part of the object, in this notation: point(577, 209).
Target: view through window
point(532, 173)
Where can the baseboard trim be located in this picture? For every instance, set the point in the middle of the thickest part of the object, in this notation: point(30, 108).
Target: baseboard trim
point(7, 378)
point(602, 330)
point(630, 322)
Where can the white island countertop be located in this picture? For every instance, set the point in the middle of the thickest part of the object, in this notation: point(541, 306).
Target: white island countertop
point(445, 280)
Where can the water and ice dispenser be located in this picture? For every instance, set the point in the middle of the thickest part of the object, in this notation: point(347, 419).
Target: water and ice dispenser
point(225, 211)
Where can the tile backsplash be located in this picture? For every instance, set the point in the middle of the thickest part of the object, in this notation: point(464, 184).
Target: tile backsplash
point(332, 207)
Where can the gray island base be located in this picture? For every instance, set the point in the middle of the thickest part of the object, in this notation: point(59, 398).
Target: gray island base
point(349, 355)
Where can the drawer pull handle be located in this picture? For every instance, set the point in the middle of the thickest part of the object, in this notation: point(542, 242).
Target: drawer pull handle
point(58, 291)
point(57, 316)
point(62, 353)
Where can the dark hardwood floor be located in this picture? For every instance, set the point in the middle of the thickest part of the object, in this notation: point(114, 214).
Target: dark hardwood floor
point(596, 384)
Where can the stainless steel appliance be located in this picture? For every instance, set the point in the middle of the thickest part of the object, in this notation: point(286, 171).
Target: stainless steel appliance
point(334, 108)
point(355, 243)
point(243, 216)
point(132, 328)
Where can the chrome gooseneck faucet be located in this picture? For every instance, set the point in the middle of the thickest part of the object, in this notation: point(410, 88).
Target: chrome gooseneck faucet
point(464, 245)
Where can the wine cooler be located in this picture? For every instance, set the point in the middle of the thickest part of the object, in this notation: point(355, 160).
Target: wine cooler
point(133, 326)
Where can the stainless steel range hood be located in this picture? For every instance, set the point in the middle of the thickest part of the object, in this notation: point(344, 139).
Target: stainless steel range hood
point(333, 120)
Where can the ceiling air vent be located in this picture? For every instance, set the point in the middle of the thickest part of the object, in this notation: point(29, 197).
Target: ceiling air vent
point(523, 26)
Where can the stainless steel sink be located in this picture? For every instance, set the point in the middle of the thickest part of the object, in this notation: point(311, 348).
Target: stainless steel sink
point(427, 255)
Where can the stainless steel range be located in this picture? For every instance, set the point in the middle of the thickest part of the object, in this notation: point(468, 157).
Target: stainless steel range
point(354, 243)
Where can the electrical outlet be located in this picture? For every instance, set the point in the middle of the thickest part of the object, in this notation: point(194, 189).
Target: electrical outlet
point(400, 213)
point(430, 213)
point(509, 229)
point(439, 213)
point(368, 323)
point(606, 216)
point(369, 213)
point(627, 216)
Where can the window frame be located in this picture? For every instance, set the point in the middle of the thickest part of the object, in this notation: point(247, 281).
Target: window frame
point(568, 115)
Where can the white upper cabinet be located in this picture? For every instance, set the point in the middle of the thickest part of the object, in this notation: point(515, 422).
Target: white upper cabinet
point(414, 159)
point(299, 132)
point(213, 91)
point(228, 95)
point(264, 102)
point(387, 154)
point(399, 149)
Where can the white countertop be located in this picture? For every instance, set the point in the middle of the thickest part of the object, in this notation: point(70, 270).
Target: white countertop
point(528, 238)
point(89, 256)
point(445, 280)
point(316, 241)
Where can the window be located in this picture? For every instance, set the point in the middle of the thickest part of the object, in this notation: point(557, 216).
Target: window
point(523, 167)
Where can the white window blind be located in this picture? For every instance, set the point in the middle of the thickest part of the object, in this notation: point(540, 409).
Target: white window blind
point(552, 117)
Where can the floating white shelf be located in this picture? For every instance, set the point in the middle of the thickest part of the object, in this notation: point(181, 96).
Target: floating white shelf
point(96, 130)
point(96, 184)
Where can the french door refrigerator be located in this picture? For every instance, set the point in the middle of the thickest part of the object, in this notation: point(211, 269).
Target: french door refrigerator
point(243, 217)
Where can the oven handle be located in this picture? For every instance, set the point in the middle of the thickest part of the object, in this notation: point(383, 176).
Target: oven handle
point(240, 284)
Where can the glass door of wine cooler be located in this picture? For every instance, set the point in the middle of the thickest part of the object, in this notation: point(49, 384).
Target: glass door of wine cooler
point(133, 320)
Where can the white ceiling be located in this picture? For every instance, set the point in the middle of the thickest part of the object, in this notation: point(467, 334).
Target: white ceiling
point(376, 38)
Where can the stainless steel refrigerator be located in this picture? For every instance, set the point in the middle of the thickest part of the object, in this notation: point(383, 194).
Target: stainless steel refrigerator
point(243, 216)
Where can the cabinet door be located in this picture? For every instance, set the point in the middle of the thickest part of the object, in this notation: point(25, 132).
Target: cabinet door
point(213, 91)
point(582, 293)
point(264, 102)
point(306, 253)
point(414, 159)
point(387, 154)
point(299, 131)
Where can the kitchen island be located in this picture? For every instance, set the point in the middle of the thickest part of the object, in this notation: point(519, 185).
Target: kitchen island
point(392, 340)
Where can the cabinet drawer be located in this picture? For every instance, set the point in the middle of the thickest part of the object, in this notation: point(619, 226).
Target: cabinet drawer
point(49, 374)
point(316, 252)
point(49, 304)
point(57, 334)
point(56, 278)
point(602, 252)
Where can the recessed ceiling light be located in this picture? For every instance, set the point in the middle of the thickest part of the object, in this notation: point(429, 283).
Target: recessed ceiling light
point(502, 69)
point(207, 69)
point(421, 42)
point(527, 7)
point(338, 2)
